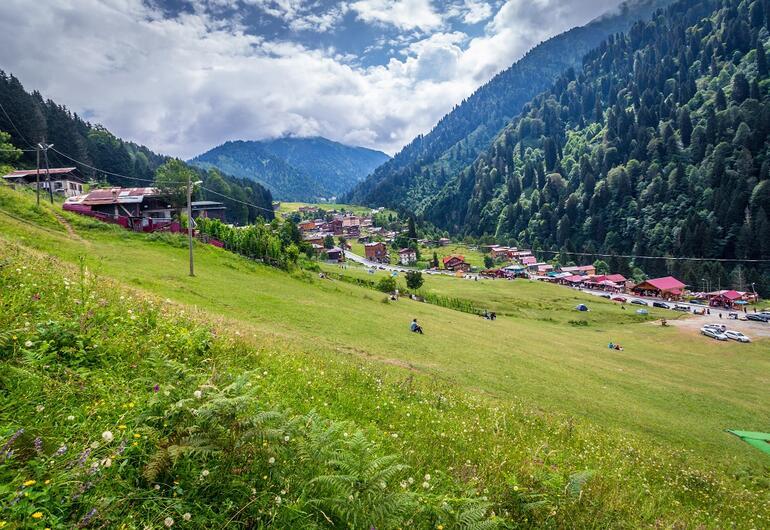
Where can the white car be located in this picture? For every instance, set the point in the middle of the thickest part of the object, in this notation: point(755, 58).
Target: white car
point(737, 335)
point(721, 328)
point(713, 333)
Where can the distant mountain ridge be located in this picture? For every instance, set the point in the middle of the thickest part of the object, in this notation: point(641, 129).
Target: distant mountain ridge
point(422, 168)
point(301, 169)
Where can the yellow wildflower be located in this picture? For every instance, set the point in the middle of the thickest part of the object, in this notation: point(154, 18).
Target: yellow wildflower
point(122, 427)
point(137, 436)
point(30, 483)
point(37, 515)
point(47, 482)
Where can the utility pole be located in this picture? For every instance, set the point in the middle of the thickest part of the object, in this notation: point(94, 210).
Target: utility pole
point(190, 185)
point(45, 147)
point(189, 223)
point(37, 173)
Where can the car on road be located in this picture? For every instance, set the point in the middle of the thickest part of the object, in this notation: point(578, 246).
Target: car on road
point(684, 308)
point(661, 305)
point(713, 333)
point(758, 317)
point(605, 296)
point(638, 302)
point(618, 299)
point(697, 302)
point(736, 335)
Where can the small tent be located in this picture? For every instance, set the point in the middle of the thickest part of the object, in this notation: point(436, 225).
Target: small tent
point(581, 307)
point(760, 440)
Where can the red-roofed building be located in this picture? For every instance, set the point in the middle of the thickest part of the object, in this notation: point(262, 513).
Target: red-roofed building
point(668, 287)
point(407, 256)
point(727, 298)
point(528, 260)
point(456, 263)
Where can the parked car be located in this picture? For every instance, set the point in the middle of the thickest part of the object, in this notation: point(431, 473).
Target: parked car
point(662, 305)
point(758, 317)
point(618, 299)
point(684, 308)
point(713, 333)
point(719, 327)
point(605, 296)
point(736, 335)
point(697, 302)
point(638, 302)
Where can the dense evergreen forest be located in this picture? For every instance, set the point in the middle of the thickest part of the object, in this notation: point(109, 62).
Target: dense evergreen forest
point(658, 147)
point(31, 119)
point(424, 166)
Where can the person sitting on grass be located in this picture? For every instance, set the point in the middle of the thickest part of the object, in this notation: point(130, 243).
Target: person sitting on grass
point(611, 346)
point(415, 327)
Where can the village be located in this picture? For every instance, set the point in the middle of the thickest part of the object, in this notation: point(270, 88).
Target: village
point(334, 235)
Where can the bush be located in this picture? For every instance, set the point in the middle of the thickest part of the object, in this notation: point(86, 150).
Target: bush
point(386, 284)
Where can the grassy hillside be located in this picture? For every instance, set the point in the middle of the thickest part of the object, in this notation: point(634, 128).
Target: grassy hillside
point(531, 411)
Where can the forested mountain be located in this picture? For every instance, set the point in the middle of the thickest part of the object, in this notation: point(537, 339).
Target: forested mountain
point(422, 168)
point(658, 147)
point(31, 119)
point(302, 169)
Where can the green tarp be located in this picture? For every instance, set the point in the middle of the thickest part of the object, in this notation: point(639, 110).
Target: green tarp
point(760, 440)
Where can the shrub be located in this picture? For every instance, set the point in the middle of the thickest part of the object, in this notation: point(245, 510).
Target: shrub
point(386, 284)
point(414, 280)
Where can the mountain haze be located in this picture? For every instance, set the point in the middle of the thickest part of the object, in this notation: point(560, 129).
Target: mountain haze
point(422, 167)
point(302, 169)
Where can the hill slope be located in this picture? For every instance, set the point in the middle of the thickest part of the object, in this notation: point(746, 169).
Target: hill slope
point(461, 404)
point(422, 168)
point(658, 147)
point(297, 169)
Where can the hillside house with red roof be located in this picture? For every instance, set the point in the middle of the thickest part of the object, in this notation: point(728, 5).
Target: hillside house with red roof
point(456, 263)
point(64, 181)
point(376, 252)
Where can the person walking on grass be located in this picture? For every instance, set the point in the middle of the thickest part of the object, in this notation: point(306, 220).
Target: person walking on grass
point(415, 327)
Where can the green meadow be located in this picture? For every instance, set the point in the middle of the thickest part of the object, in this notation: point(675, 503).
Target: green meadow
point(514, 409)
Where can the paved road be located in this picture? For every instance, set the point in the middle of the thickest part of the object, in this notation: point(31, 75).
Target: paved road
point(382, 266)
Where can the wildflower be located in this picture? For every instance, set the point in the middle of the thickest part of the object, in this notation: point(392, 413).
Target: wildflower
point(37, 515)
point(286, 438)
point(157, 487)
point(70, 418)
point(156, 388)
point(29, 483)
point(187, 516)
point(205, 472)
point(60, 451)
point(38, 442)
point(47, 482)
point(84, 456)
point(94, 444)
point(107, 462)
point(271, 461)
point(107, 436)
point(137, 435)
point(426, 485)
point(40, 408)
point(278, 499)
point(169, 522)
point(86, 520)
point(122, 427)
point(198, 394)
point(427, 476)
point(28, 344)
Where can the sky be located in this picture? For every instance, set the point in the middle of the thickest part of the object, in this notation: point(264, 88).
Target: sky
point(182, 76)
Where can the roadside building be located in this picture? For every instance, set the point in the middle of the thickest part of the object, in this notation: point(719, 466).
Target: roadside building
point(668, 288)
point(456, 263)
point(307, 226)
point(444, 241)
point(376, 252)
point(64, 180)
point(407, 256)
point(582, 270)
point(208, 209)
point(335, 254)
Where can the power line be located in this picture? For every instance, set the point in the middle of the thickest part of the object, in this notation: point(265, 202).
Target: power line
point(15, 128)
point(151, 181)
point(634, 256)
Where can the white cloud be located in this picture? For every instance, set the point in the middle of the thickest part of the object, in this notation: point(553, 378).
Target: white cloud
point(475, 12)
point(182, 85)
point(403, 14)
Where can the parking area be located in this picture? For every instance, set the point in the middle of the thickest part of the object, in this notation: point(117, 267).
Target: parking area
point(754, 330)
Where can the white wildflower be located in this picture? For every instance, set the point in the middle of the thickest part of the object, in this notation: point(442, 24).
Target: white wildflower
point(205, 472)
point(107, 436)
point(271, 461)
point(427, 476)
point(198, 394)
point(70, 418)
point(286, 438)
point(157, 487)
point(169, 522)
point(40, 408)
point(28, 344)
point(278, 499)
point(107, 462)
point(187, 516)
point(426, 484)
